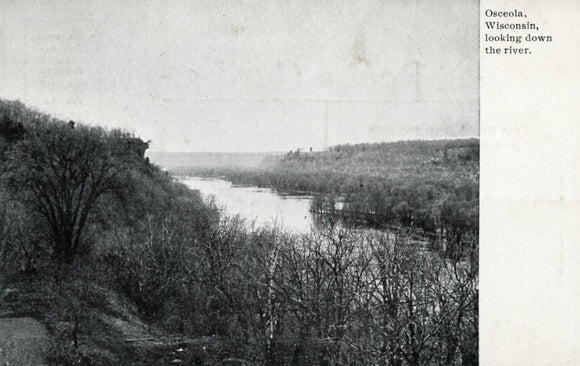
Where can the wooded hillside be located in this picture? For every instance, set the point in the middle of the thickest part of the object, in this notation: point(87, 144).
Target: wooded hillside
point(429, 185)
point(125, 266)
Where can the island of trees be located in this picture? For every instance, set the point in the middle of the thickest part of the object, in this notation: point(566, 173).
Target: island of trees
point(125, 266)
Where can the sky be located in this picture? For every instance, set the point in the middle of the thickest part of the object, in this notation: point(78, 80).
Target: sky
point(248, 76)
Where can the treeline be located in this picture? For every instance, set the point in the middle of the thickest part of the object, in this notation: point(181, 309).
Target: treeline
point(114, 242)
point(432, 186)
point(333, 297)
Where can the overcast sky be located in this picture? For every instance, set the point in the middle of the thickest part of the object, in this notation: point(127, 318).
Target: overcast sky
point(247, 75)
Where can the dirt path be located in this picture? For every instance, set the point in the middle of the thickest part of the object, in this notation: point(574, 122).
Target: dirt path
point(23, 340)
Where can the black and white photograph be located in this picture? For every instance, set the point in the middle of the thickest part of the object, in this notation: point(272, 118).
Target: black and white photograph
point(239, 182)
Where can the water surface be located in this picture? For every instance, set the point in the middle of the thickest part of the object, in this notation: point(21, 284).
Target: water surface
point(260, 205)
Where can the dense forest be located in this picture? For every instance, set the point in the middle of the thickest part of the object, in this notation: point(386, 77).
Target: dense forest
point(125, 266)
point(432, 186)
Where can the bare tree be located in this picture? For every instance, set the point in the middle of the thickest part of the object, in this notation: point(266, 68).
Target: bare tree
point(61, 173)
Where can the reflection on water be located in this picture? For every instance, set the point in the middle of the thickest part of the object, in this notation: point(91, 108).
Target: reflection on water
point(263, 205)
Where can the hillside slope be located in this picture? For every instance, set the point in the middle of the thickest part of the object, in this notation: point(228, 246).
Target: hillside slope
point(125, 266)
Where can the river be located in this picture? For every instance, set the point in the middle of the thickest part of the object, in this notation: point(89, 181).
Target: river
point(260, 205)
